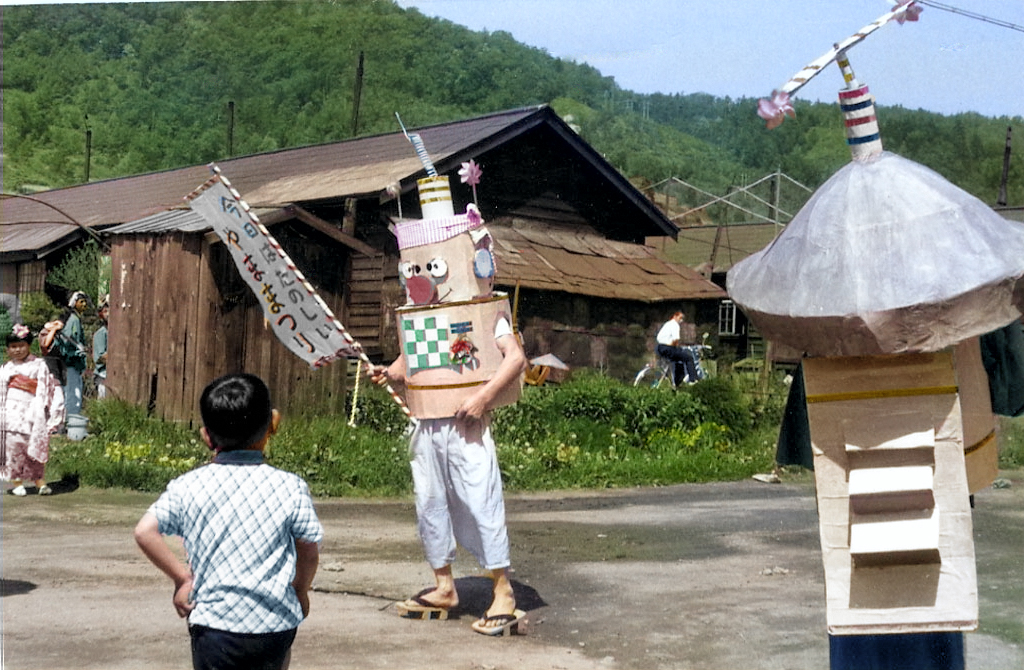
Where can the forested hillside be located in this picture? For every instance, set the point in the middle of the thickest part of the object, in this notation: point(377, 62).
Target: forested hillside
point(153, 83)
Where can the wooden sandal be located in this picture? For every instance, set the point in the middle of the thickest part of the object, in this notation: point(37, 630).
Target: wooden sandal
point(508, 624)
point(418, 608)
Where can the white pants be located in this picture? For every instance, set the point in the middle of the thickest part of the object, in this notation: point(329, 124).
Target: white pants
point(458, 493)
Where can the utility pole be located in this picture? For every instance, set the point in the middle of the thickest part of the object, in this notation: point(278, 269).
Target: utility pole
point(1001, 200)
point(88, 148)
point(357, 93)
point(231, 127)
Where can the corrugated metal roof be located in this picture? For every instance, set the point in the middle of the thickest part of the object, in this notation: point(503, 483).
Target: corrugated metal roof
point(173, 220)
point(30, 238)
point(579, 260)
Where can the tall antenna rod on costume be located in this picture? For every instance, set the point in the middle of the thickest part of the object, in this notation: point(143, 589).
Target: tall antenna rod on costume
point(778, 107)
point(421, 151)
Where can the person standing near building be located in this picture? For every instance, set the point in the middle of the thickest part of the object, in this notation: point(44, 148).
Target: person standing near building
point(667, 346)
point(99, 349)
point(31, 409)
point(75, 356)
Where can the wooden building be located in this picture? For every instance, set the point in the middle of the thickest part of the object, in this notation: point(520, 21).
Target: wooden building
point(569, 239)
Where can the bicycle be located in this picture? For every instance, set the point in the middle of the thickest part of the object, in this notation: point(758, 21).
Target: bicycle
point(655, 373)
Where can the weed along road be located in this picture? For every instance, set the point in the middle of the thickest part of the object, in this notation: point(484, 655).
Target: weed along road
point(719, 576)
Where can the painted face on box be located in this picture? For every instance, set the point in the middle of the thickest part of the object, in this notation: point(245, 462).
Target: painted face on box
point(453, 270)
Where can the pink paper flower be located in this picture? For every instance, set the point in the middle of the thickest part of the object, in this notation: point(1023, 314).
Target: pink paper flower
point(775, 111)
point(470, 173)
point(20, 330)
point(911, 10)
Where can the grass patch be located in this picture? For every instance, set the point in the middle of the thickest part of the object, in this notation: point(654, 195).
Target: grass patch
point(592, 432)
point(1011, 442)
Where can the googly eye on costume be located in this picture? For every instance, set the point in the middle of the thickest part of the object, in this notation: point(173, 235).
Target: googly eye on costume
point(437, 267)
point(406, 270)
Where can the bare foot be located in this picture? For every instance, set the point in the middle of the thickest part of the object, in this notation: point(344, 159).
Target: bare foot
point(504, 603)
point(435, 597)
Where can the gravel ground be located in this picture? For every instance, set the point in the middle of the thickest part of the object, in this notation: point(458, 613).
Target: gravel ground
point(717, 576)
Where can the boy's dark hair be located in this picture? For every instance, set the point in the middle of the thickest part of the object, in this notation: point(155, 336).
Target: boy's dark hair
point(236, 411)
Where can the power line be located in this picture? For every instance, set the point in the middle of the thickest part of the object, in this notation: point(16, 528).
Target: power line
point(964, 12)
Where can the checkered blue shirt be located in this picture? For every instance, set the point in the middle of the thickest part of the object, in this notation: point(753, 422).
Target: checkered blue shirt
point(239, 523)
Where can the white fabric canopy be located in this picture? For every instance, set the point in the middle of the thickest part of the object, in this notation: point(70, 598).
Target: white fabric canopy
point(886, 257)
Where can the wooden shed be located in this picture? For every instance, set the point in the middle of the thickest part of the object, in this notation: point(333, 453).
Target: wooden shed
point(183, 315)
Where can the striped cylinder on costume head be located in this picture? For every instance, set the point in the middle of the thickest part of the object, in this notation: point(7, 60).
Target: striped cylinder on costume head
point(858, 107)
point(435, 197)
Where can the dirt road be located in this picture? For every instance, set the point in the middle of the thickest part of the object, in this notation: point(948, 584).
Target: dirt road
point(716, 576)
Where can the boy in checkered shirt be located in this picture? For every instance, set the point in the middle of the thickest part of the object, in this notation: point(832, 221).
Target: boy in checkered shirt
point(250, 532)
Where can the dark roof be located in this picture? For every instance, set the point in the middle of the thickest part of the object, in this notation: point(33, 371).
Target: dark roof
point(581, 261)
point(362, 167)
point(538, 255)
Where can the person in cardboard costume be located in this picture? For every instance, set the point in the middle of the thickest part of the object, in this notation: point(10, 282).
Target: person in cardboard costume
point(460, 359)
point(886, 279)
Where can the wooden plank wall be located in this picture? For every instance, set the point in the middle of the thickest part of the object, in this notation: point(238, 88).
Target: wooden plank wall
point(181, 316)
point(364, 317)
point(153, 322)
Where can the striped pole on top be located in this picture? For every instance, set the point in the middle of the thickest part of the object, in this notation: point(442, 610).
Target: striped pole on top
point(858, 107)
point(775, 109)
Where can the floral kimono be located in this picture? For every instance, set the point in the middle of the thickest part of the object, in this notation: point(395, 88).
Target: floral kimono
point(31, 407)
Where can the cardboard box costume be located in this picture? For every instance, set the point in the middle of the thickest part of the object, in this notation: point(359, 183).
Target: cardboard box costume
point(885, 279)
point(447, 327)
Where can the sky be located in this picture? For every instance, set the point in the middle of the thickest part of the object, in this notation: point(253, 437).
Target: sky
point(945, 62)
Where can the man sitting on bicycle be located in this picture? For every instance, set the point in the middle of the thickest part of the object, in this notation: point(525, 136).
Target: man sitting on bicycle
point(667, 346)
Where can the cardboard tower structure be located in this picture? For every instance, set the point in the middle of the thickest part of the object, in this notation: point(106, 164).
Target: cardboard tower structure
point(885, 279)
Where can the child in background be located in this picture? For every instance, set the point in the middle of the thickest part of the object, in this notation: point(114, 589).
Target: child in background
point(31, 409)
point(250, 531)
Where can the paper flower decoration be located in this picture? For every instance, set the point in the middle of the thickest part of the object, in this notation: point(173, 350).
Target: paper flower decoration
point(470, 173)
point(911, 10)
point(775, 111)
point(20, 330)
point(461, 350)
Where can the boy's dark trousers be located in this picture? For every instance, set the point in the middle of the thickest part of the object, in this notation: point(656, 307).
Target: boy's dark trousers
point(214, 649)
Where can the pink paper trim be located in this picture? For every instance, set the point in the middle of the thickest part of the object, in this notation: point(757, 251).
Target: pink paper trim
point(420, 232)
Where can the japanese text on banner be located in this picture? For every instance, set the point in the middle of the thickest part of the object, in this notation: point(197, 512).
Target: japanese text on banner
point(298, 316)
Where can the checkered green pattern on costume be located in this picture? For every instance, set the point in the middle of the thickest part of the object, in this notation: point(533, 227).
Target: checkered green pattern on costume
point(425, 342)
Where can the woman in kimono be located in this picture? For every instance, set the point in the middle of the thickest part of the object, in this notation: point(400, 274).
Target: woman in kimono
point(31, 409)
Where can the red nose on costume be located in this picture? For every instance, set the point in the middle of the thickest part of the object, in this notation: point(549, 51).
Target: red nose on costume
point(421, 290)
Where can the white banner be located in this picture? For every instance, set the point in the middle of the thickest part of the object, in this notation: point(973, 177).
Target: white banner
point(299, 317)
